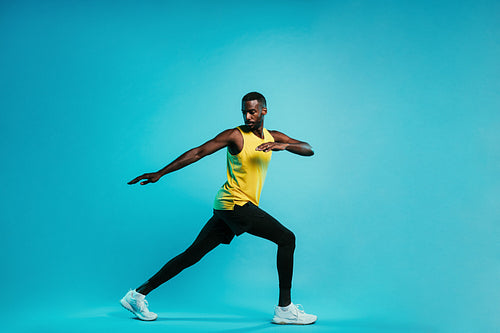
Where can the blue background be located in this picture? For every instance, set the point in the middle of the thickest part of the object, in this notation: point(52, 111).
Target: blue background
point(397, 214)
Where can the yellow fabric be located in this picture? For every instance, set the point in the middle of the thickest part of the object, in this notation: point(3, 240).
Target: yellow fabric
point(246, 172)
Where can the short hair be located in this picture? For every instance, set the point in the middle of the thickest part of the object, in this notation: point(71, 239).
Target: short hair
point(255, 96)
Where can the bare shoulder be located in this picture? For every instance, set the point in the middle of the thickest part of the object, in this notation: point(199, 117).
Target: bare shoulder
point(234, 134)
point(234, 140)
point(229, 135)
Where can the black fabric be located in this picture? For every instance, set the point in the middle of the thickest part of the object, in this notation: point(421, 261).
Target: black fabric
point(242, 218)
point(221, 229)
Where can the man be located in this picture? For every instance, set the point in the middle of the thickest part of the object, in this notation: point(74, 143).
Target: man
point(236, 210)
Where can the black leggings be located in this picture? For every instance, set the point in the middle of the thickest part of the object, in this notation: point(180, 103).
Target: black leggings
point(221, 228)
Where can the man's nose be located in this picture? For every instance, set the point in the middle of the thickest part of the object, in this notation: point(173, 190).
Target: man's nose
point(247, 116)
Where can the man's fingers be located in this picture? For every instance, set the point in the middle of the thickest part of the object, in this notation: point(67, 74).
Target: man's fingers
point(264, 147)
point(145, 182)
point(135, 180)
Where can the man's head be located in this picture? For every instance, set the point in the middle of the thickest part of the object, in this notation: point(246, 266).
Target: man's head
point(253, 106)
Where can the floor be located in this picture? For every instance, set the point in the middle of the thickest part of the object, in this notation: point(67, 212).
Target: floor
point(112, 318)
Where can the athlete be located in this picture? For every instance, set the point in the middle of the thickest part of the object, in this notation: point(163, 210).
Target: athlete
point(249, 149)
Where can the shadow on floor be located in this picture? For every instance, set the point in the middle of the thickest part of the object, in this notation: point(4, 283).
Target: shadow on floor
point(257, 320)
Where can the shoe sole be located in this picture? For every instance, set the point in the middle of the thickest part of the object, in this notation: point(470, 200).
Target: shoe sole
point(127, 306)
point(289, 322)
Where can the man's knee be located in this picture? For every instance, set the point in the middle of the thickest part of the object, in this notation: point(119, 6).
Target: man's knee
point(189, 257)
point(287, 239)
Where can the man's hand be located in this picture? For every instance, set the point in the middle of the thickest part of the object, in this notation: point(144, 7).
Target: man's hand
point(152, 177)
point(275, 146)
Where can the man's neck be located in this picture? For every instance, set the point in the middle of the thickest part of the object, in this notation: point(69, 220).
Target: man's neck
point(259, 131)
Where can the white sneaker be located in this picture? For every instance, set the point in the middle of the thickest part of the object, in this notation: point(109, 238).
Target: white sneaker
point(292, 315)
point(137, 304)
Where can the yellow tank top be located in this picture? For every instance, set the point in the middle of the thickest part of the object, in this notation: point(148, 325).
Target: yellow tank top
point(246, 172)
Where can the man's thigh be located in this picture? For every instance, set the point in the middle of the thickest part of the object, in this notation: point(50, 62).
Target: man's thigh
point(256, 221)
point(216, 231)
point(268, 227)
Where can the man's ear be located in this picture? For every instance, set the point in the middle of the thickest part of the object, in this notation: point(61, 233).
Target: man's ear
point(264, 110)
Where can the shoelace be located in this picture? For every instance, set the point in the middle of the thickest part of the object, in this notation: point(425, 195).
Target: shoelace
point(143, 306)
point(300, 308)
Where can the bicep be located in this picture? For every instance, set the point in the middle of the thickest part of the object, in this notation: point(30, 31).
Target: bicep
point(280, 137)
point(220, 141)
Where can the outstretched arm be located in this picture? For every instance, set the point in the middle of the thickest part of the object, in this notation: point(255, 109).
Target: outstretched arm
point(220, 141)
point(284, 142)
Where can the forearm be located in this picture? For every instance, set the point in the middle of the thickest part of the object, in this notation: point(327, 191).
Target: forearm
point(301, 148)
point(180, 162)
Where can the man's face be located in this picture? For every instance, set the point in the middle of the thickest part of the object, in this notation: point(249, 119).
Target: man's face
point(253, 114)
